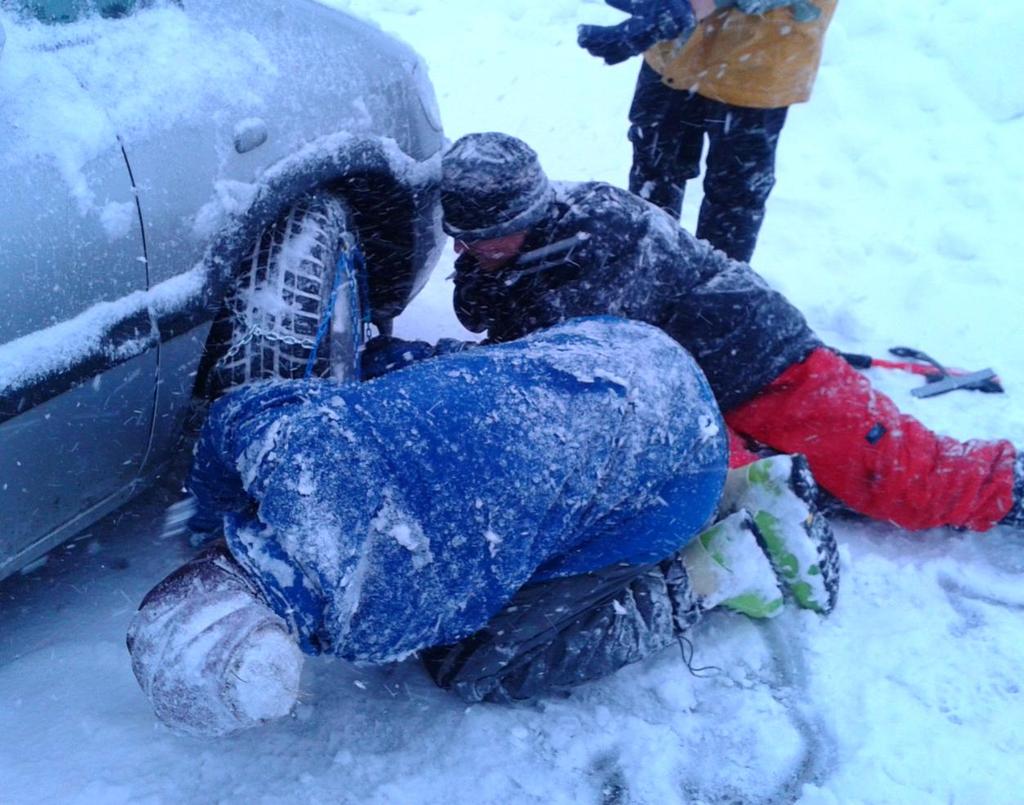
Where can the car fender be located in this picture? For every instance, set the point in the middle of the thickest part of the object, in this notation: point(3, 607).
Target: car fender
point(343, 162)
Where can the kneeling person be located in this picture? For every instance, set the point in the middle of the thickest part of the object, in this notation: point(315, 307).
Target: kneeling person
point(559, 473)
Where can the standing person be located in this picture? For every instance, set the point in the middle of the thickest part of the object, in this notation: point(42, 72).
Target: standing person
point(731, 80)
point(533, 255)
point(528, 513)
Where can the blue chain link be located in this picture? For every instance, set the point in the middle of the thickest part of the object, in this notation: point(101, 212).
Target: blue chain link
point(350, 270)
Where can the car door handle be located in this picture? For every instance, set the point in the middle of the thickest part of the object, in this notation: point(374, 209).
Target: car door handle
point(250, 134)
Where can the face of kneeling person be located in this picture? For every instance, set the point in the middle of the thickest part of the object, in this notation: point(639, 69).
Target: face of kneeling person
point(492, 253)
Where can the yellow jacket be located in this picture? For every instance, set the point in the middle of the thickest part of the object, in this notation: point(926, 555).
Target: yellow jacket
point(762, 61)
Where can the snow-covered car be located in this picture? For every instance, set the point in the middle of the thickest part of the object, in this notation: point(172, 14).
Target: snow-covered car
point(195, 194)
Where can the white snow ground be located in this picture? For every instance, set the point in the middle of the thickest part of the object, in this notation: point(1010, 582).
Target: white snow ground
point(896, 220)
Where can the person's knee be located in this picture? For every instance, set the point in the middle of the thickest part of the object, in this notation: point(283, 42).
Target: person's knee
point(666, 154)
point(681, 389)
point(739, 186)
point(648, 142)
point(741, 165)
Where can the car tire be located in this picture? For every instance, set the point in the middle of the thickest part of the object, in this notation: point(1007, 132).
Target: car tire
point(269, 325)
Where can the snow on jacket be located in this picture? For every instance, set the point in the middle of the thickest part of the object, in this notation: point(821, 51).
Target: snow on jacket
point(382, 517)
point(756, 60)
point(603, 250)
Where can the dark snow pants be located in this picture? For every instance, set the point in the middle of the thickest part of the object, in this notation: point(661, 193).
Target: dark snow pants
point(667, 131)
point(875, 459)
point(384, 517)
point(556, 634)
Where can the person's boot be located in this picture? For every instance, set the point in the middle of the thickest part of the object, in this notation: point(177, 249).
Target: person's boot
point(209, 654)
point(727, 567)
point(781, 494)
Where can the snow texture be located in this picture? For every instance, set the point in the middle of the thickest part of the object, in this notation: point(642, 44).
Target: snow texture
point(895, 220)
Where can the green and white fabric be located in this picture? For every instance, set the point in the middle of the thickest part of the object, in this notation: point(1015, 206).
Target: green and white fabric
point(727, 567)
point(781, 494)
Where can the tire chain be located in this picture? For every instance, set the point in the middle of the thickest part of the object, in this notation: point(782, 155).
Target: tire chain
point(255, 330)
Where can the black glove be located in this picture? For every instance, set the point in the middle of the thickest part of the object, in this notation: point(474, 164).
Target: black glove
point(652, 21)
point(629, 6)
point(383, 354)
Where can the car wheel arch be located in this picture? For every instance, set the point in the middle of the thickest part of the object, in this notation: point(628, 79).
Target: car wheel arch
point(393, 196)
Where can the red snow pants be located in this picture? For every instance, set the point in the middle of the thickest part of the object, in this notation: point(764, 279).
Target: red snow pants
point(873, 458)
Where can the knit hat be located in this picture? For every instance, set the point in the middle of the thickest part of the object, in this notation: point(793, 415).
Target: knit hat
point(492, 185)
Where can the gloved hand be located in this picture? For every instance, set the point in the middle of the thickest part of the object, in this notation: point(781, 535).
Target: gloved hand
point(802, 10)
point(651, 21)
point(384, 353)
point(446, 346)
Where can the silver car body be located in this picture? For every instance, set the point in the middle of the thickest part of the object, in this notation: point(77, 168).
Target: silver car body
point(121, 226)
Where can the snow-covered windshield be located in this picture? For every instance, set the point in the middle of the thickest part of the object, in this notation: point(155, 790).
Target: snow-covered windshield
point(71, 10)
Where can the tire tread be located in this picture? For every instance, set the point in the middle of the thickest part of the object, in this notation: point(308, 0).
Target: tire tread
point(283, 289)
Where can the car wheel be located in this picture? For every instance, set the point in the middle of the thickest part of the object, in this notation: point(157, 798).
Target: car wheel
point(296, 307)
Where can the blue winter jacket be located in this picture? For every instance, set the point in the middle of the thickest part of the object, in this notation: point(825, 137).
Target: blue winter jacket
point(382, 517)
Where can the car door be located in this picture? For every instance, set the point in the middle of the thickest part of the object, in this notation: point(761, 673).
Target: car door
point(77, 364)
